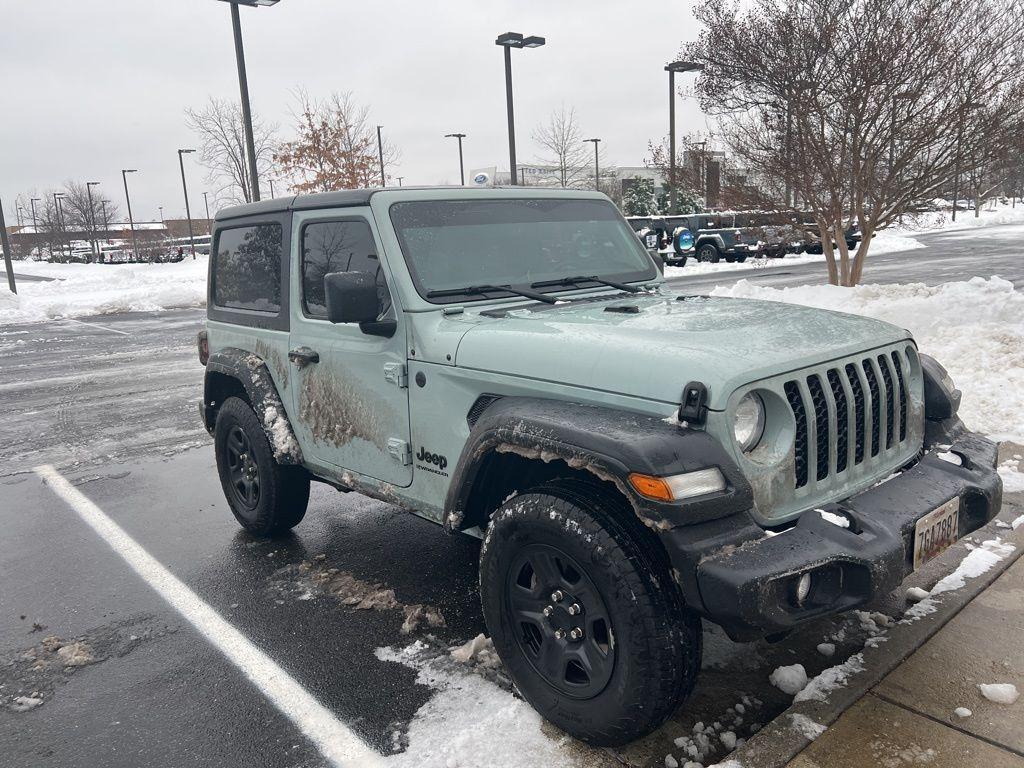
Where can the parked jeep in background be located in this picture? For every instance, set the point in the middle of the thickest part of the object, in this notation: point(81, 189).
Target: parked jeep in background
point(716, 236)
point(508, 363)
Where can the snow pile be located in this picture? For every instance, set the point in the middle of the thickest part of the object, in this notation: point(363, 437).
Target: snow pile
point(806, 726)
point(494, 727)
point(977, 562)
point(102, 289)
point(988, 216)
point(789, 679)
point(1000, 693)
point(890, 241)
point(823, 684)
point(1013, 478)
point(975, 328)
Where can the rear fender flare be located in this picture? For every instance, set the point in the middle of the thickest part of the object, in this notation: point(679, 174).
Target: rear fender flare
point(250, 370)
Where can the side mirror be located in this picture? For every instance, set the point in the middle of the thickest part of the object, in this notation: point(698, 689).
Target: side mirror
point(352, 298)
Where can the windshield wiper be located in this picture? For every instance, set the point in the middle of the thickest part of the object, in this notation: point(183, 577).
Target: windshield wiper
point(587, 279)
point(478, 290)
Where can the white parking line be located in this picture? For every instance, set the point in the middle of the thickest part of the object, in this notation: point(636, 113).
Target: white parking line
point(101, 327)
point(335, 741)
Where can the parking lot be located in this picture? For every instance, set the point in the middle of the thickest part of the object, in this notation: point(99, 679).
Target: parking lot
point(124, 679)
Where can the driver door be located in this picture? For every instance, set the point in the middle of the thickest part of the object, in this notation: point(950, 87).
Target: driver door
point(348, 390)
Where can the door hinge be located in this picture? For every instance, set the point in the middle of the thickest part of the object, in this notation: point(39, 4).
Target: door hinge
point(397, 374)
point(400, 450)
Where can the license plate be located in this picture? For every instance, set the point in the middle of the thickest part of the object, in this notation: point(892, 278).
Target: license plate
point(936, 531)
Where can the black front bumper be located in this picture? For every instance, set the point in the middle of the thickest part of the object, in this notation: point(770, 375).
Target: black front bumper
point(744, 578)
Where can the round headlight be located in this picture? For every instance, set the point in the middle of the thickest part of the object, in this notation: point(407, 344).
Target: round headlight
point(748, 422)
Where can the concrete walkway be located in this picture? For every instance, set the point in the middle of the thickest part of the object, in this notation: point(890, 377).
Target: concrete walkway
point(908, 718)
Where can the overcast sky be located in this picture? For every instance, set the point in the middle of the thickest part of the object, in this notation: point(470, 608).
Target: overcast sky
point(93, 87)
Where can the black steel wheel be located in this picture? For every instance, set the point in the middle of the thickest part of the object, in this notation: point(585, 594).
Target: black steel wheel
point(265, 497)
point(581, 608)
point(708, 252)
point(560, 621)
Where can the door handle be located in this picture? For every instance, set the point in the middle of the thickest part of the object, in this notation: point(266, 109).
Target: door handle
point(303, 356)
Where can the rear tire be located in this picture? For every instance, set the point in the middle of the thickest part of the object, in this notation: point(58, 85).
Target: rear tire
point(265, 497)
point(708, 252)
point(567, 545)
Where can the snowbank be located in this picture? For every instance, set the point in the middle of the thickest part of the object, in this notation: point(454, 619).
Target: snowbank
point(102, 289)
point(975, 328)
point(989, 216)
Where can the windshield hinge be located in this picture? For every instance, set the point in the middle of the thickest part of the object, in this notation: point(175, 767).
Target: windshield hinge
point(694, 408)
point(397, 374)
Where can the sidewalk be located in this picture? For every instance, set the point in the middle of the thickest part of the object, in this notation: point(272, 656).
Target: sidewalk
point(908, 718)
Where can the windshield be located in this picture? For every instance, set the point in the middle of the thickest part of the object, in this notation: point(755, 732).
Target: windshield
point(452, 244)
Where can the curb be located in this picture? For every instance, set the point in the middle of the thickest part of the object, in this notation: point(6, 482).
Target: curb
point(778, 742)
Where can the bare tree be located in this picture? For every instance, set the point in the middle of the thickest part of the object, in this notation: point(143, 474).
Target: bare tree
point(221, 134)
point(860, 110)
point(562, 142)
point(335, 146)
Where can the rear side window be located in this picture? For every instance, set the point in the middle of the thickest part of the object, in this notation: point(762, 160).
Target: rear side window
point(337, 246)
point(247, 269)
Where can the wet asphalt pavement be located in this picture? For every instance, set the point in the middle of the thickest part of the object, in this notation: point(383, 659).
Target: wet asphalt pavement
point(112, 403)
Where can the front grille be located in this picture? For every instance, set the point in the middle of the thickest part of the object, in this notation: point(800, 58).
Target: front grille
point(846, 414)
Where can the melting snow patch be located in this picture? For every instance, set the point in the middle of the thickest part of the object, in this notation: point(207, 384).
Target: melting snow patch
point(975, 564)
point(962, 712)
point(916, 594)
point(24, 703)
point(494, 728)
point(791, 679)
point(821, 686)
point(1000, 693)
point(1013, 478)
point(806, 726)
point(832, 517)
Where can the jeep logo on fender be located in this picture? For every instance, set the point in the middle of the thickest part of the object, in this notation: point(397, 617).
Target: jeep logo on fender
point(436, 459)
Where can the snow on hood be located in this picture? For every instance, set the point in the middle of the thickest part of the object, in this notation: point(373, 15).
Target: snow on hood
point(653, 353)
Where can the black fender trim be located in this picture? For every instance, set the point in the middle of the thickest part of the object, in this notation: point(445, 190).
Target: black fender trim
point(251, 372)
point(608, 442)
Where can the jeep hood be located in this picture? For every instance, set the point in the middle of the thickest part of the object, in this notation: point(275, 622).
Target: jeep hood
point(652, 352)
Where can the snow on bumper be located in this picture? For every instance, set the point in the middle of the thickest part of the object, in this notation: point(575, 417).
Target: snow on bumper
point(750, 589)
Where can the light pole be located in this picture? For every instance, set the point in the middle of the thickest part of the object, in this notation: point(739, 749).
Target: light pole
point(243, 88)
point(188, 211)
point(597, 170)
point(5, 241)
point(35, 228)
point(399, 179)
point(106, 221)
point(968, 107)
point(92, 216)
point(675, 66)
point(206, 202)
point(508, 41)
point(128, 200)
point(57, 197)
point(271, 182)
point(462, 172)
point(380, 154)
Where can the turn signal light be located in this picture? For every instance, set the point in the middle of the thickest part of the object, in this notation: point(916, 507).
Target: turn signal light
point(677, 487)
point(651, 487)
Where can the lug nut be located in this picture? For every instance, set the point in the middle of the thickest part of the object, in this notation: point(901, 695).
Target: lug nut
point(559, 634)
point(557, 595)
point(576, 633)
point(574, 609)
point(548, 610)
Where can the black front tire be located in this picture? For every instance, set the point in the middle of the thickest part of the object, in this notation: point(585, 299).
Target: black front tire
point(265, 497)
point(564, 546)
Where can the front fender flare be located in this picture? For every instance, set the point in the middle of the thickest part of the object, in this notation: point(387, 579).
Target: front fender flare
point(608, 442)
point(250, 370)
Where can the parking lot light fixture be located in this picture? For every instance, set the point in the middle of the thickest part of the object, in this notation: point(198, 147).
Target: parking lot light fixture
point(672, 68)
point(188, 211)
point(508, 41)
point(597, 169)
point(462, 172)
point(243, 88)
point(380, 154)
point(128, 200)
point(92, 216)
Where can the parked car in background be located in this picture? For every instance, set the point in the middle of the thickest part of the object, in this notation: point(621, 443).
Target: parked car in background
point(715, 236)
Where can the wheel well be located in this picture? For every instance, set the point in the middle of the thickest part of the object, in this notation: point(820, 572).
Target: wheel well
point(218, 388)
point(503, 474)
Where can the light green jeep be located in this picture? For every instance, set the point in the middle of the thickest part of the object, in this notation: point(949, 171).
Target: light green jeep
point(509, 363)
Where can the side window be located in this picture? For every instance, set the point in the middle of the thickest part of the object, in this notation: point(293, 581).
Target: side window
point(247, 268)
point(338, 246)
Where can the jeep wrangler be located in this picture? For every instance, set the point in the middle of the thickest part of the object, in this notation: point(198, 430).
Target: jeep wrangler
point(509, 363)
